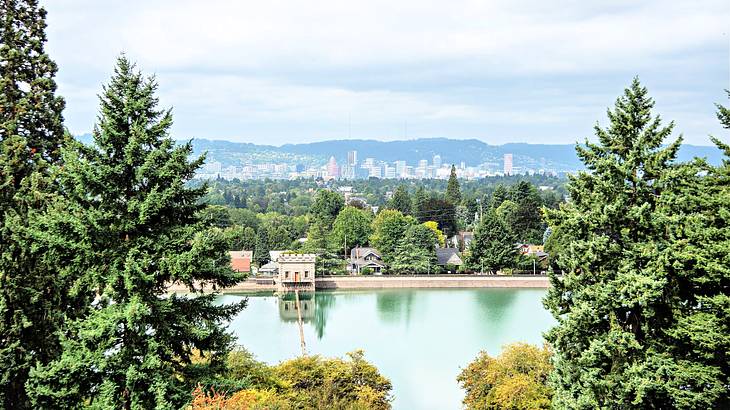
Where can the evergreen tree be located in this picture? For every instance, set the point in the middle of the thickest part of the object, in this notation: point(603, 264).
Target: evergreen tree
point(419, 203)
point(34, 278)
point(133, 350)
point(453, 193)
point(526, 221)
point(642, 310)
point(415, 252)
point(248, 239)
point(493, 247)
point(401, 200)
point(441, 211)
point(499, 195)
point(263, 246)
point(411, 259)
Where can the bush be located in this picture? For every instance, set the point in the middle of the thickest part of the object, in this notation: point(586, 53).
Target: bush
point(516, 379)
point(304, 382)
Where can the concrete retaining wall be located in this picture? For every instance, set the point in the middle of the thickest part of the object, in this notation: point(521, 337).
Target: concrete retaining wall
point(375, 282)
point(388, 282)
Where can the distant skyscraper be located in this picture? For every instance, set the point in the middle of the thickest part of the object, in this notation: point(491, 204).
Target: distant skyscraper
point(508, 164)
point(437, 161)
point(376, 171)
point(351, 157)
point(389, 172)
point(332, 169)
point(400, 169)
point(422, 164)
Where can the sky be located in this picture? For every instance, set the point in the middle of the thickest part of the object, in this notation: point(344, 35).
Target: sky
point(276, 72)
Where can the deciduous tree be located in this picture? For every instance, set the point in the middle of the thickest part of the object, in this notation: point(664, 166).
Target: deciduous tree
point(516, 379)
point(351, 228)
point(389, 227)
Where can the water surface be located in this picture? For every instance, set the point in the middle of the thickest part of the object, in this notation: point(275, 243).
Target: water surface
point(419, 338)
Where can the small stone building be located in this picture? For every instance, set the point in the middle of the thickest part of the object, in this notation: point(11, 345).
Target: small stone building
point(296, 272)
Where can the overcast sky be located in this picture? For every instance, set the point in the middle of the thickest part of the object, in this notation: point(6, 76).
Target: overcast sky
point(292, 71)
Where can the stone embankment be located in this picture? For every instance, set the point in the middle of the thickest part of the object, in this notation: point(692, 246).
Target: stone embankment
point(394, 282)
point(436, 281)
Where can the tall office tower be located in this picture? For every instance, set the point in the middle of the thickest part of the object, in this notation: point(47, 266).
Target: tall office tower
point(423, 163)
point(351, 157)
point(332, 169)
point(400, 169)
point(437, 161)
point(389, 172)
point(508, 164)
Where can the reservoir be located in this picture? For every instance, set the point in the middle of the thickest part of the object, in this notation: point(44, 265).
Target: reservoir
point(418, 338)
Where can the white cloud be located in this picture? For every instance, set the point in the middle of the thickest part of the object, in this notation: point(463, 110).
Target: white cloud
point(382, 61)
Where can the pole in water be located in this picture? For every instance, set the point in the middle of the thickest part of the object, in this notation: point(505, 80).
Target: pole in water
point(299, 320)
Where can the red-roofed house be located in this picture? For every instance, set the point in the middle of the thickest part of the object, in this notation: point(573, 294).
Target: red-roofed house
point(241, 261)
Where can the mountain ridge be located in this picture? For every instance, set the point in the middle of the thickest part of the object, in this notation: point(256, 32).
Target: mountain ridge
point(558, 157)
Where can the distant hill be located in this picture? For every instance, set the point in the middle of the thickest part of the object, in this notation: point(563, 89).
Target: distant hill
point(560, 157)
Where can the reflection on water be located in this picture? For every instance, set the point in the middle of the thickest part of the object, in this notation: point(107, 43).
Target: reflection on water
point(288, 307)
point(419, 338)
point(395, 305)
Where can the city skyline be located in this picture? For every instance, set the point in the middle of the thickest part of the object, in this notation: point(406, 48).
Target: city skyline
point(370, 167)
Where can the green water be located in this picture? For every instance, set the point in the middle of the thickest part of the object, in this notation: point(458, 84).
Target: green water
point(419, 338)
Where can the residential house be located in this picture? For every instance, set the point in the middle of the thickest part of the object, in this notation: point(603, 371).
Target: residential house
point(241, 261)
point(462, 240)
point(272, 267)
point(531, 250)
point(448, 257)
point(367, 259)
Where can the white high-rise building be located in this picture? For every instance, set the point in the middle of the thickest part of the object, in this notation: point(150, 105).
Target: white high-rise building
point(400, 169)
point(508, 164)
point(437, 161)
point(351, 157)
point(390, 172)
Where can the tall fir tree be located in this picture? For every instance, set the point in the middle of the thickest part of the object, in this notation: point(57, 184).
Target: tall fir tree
point(401, 200)
point(453, 192)
point(637, 300)
point(499, 195)
point(133, 350)
point(419, 203)
point(34, 297)
point(493, 247)
point(526, 222)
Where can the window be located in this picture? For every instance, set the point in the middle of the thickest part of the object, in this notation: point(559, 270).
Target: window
point(286, 275)
point(306, 273)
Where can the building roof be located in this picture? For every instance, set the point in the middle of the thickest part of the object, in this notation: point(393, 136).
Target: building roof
point(241, 261)
point(365, 263)
point(270, 267)
point(274, 255)
point(357, 253)
point(448, 256)
point(241, 254)
point(297, 258)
